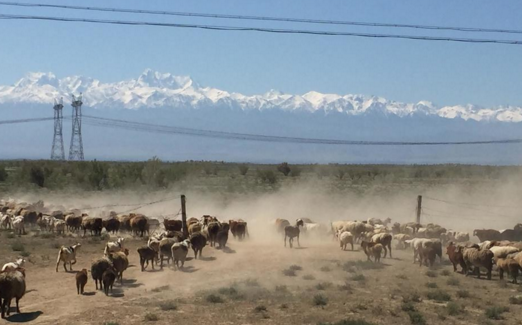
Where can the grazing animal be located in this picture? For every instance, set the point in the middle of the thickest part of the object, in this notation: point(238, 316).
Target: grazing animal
point(94, 225)
point(238, 228)
point(111, 225)
point(402, 238)
point(165, 247)
point(293, 232)
point(5, 222)
point(114, 246)
point(281, 224)
point(179, 252)
point(195, 227)
point(487, 234)
point(19, 225)
point(375, 221)
point(12, 285)
point(172, 225)
point(59, 226)
point(510, 266)
point(345, 238)
point(12, 266)
point(73, 222)
point(427, 254)
point(385, 240)
point(503, 251)
point(108, 278)
point(147, 254)
point(120, 263)
point(372, 250)
point(476, 258)
point(455, 257)
point(81, 280)
point(98, 267)
point(222, 235)
point(67, 255)
point(139, 225)
point(198, 242)
point(213, 228)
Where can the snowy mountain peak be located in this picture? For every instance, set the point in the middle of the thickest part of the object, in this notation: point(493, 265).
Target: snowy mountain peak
point(155, 89)
point(155, 79)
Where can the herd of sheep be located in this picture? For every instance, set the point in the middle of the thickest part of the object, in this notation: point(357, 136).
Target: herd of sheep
point(172, 240)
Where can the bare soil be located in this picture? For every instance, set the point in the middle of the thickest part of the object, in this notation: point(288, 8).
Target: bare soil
point(249, 287)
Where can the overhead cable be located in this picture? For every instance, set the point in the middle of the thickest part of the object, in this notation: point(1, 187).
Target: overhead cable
point(262, 29)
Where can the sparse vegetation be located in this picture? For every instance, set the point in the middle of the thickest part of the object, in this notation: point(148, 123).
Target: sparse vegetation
point(251, 283)
point(308, 277)
point(445, 273)
point(320, 300)
point(431, 274)
point(168, 305)
point(25, 254)
point(150, 317)
point(358, 277)
point(349, 322)
point(325, 269)
point(295, 267)
point(162, 288)
point(432, 285)
point(454, 308)
point(453, 282)
point(495, 312)
point(515, 300)
point(439, 295)
point(289, 272)
point(323, 285)
point(17, 246)
point(463, 294)
point(260, 309)
point(416, 318)
point(215, 299)
point(281, 289)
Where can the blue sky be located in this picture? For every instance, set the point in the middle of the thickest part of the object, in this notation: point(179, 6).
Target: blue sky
point(404, 70)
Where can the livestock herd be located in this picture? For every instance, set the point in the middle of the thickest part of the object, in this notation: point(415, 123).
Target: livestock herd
point(172, 240)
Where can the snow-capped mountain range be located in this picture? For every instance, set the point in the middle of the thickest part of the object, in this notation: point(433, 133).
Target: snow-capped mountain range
point(154, 89)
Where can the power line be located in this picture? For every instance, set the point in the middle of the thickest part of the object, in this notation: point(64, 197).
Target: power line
point(472, 204)
point(263, 18)
point(261, 29)
point(27, 120)
point(155, 128)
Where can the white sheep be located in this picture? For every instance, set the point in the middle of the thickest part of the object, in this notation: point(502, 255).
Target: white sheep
point(59, 226)
point(67, 255)
point(345, 238)
point(113, 247)
point(503, 251)
point(416, 244)
point(19, 225)
point(486, 244)
point(179, 252)
point(12, 266)
point(5, 221)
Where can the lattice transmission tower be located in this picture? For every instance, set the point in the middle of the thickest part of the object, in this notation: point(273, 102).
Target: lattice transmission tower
point(76, 148)
point(57, 152)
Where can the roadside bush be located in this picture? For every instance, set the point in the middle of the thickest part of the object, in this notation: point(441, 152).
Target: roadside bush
point(320, 300)
point(284, 168)
point(243, 169)
point(496, 312)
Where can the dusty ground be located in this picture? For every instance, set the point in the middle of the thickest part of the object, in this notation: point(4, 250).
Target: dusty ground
point(249, 279)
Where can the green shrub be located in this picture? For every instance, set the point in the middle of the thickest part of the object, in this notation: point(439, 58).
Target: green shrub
point(495, 312)
point(445, 272)
point(243, 169)
point(515, 300)
point(323, 285)
point(260, 308)
point(439, 295)
point(150, 317)
point(25, 254)
point(463, 293)
point(168, 305)
point(454, 308)
point(431, 274)
point(358, 277)
point(453, 282)
point(308, 277)
point(432, 285)
point(17, 246)
point(416, 318)
point(215, 299)
point(408, 306)
point(320, 300)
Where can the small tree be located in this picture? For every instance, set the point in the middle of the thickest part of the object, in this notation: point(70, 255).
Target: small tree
point(3, 174)
point(284, 168)
point(37, 176)
point(243, 169)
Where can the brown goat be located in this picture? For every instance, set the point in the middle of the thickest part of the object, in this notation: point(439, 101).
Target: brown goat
point(81, 280)
point(372, 249)
point(455, 257)
point(510, 266)
point(427, 254)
